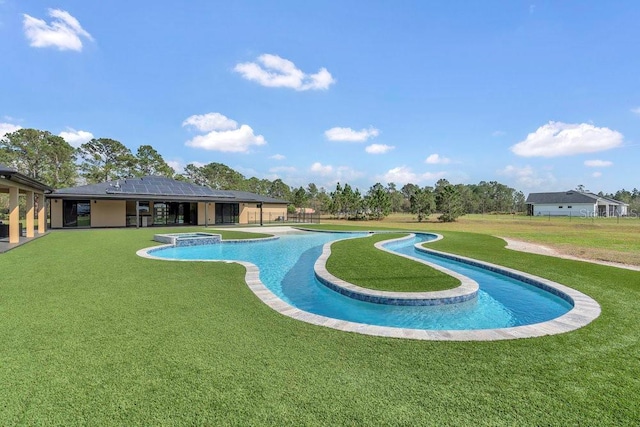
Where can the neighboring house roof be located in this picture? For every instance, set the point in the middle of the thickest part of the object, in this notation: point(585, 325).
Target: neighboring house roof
point(159, 188)
point(571, 196)
point(13, 175)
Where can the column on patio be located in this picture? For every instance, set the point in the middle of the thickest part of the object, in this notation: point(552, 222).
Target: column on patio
point(30, 214)
point(42, 214)
point(14, 216)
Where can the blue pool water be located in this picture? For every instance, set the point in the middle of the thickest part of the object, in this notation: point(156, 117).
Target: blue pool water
point(286, 268)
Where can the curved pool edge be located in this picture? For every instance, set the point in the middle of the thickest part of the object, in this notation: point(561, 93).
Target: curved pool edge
point(588, 310)
point(467, 290)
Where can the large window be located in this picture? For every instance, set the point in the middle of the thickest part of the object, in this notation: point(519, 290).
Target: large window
point(172, 213)
point(227, 213)
point(76, 213)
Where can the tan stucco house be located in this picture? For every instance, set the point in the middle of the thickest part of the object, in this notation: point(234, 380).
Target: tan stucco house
point(16, 184)
point(158, 201)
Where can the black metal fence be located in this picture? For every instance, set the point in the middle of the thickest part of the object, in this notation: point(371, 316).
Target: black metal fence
point(283, 218)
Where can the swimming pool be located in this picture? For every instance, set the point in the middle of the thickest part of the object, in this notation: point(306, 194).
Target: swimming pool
point(286, 270)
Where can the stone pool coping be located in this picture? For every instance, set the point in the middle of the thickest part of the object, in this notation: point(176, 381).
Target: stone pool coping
point(585, 310)
point(467, 290)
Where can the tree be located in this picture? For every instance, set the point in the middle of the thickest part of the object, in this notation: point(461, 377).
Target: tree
point(396, 197)
point(280, 190)
point(40, 155)
point(421, 202)
point(299, 197)
point(105, 160)
point(221, 177)
point(194, 174)
point(257, 186)
point(448, 202)
point(337, 201)
point(149, 163)
point(378, 201)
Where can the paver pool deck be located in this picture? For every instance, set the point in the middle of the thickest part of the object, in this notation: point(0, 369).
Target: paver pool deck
point(584, 310)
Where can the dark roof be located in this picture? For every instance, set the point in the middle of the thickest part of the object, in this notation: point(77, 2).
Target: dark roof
point(13, 175)
point(156, 188)
point(571, 196)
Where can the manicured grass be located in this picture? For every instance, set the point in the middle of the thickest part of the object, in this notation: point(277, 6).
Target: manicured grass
point(357, 261)
point(91, 334)
point(606, 239)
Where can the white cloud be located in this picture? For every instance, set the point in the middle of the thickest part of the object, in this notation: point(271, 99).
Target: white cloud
point(378, 148)
point(350, 135)
point(598, 163)
point(333, 174)
point(636, 110)
point(274, 71)
point(76, 137)
point(277, 157)
point(64, 32)
point(223, 134)
point(6, 128)
point(404, 175)
point(176, 165)
point(435, 159)
point(527, 177)
point(210, 121)
point(596, 174)
point(321, 169)
point(564, 139)
point(498, 133)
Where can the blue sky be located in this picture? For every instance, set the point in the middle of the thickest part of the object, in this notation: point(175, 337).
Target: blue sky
point(541, 96)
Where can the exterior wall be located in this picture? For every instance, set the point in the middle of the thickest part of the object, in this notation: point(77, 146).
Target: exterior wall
point(250, 212)
point(206, 216)
point(108, 213)
point(56, 213)
point(576, 209)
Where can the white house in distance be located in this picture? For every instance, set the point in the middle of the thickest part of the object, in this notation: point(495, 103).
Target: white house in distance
point(574, 203)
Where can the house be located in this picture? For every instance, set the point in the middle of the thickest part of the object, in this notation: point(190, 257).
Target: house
point(15, 183)
point(574, 203)
point(155, 200)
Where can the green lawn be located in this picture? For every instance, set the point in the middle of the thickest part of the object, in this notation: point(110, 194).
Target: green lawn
point(357, 261)
point(91, 334)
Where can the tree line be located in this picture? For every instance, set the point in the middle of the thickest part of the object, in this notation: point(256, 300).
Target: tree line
point(52, 160)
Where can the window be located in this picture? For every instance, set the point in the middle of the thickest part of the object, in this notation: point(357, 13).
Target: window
point(76, 213)
point(569, 207)
point(559, 207)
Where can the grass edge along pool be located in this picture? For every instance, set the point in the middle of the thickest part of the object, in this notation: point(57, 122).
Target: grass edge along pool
point(584, 311)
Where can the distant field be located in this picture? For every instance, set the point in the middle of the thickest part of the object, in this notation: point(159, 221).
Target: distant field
point(605, 239)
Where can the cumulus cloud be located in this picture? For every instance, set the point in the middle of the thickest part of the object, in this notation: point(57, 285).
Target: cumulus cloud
point(527, 177)
point(378, 148)
point(498, 133)
point(277, 157)
point(636, 110)
point(333, 174)
point(350, 135)
point(76, 137)
point(596, 174)
point(64, 32)
point(565, 139)
point(598, 163)
point(6, 128)
point(273, 71)
point(435, 159)
point(321, 169)
point(405, 175)
point(223, 134)
point(210, 121)
point(177, 165)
